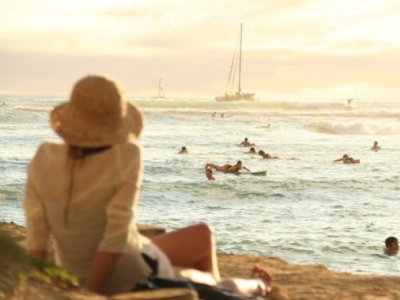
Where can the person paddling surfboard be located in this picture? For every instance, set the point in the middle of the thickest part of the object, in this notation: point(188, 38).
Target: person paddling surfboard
point(227, 167)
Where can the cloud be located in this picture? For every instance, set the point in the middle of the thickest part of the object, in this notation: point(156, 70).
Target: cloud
point(289, 46)
point(272, 71)
point(291, 71)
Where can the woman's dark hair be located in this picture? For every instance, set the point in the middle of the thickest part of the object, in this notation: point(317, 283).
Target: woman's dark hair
point(390, 240)
point(79, 152)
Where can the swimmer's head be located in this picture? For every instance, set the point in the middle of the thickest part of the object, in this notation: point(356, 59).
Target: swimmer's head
point(392, 245)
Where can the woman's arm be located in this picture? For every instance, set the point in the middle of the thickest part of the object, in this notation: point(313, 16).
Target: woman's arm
point(37, 228)
point(120, 214)
point(39, 254)
point(101, 267)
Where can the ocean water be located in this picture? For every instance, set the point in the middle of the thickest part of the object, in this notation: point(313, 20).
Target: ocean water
point(308, 210)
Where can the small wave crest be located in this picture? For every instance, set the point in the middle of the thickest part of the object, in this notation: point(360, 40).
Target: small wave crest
point(356, 128)
point(269, 108)
point(33, 108)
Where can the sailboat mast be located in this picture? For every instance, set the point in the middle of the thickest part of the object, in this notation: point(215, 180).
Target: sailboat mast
point(159, 88)
point(232, 78)
point(240, 60)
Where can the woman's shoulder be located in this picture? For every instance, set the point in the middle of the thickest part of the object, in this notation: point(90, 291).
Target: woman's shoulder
point(129, 148)
point(47, 153)
point(129, 152)
point(51, 147)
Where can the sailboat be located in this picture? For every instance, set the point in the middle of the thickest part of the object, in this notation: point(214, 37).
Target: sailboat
point(239, 95)
point(161, 90)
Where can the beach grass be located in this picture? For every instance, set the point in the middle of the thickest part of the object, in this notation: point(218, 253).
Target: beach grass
point(17, 267)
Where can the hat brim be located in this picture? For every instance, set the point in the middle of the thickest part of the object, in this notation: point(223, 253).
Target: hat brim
point(75, 130)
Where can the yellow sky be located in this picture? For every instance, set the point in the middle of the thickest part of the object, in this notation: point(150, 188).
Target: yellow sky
point(293, 48)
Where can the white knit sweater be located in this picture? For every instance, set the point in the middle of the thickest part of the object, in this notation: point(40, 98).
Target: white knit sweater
point(88, 205)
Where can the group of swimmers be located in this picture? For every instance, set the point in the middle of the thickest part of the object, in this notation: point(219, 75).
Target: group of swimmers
point(391, 243)
point(346, 159)
point(246, 143)
point(224, 168)
point(260, 153)
point(214, 114)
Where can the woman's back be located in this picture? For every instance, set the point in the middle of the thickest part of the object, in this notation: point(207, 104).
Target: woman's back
point(83, 210)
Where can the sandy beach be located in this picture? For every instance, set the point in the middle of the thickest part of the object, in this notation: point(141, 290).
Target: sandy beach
point(291, 281)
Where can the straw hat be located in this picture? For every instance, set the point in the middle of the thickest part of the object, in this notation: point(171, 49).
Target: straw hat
point(96, 115)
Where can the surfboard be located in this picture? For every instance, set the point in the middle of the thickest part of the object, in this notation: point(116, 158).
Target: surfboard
point(256, 173)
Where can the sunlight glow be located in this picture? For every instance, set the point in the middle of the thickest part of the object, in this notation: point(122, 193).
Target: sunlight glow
point(198, 37)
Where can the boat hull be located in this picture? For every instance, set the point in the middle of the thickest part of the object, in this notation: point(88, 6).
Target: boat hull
point(236, 97)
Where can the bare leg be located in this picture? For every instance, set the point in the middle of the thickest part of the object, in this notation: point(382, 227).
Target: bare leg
point(194, 275)
point(259, 285)
point(262, 274)
point(210, 165)
point(192, 247)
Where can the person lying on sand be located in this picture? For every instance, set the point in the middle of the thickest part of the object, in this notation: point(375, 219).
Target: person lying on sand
point(227, 167)
point(375, 147)
point(392, 246)
point(347, 160)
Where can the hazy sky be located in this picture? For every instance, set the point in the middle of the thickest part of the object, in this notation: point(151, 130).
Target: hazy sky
point(292, 48)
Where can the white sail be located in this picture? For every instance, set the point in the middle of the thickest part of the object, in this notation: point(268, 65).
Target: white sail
point(161, 90)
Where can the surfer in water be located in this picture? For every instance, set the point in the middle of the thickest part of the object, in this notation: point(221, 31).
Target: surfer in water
point(209, 174)
point(375, 147)
point(347, 160)
point(251, 151)
point(183, 150)
point(246, 143)
point(266, 155)
point(392, 246)
point(227, 167)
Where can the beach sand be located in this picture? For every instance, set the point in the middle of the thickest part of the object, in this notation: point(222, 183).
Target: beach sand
point(290, 281)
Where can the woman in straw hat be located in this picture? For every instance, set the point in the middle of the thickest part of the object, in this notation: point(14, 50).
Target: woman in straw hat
point(84, 192)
